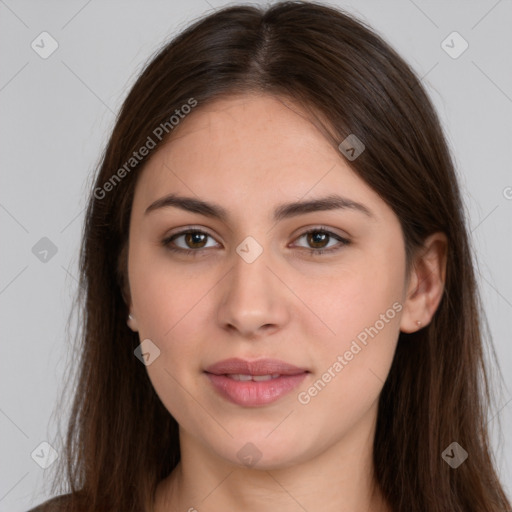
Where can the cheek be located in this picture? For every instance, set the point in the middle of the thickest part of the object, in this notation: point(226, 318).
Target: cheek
point(172, 304)
point(364, 295)
point(168, 303)
point(165, 294)
point(351, 368)
point(362, 307)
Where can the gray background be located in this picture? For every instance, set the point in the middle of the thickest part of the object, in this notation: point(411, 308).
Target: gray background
point(55, 117)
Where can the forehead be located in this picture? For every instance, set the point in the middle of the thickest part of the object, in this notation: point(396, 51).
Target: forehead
point(250, 150)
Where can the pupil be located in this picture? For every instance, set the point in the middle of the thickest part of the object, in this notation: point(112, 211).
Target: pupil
point(192, 235)
point(316, 235)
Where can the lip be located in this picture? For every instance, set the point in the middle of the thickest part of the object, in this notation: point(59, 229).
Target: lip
point(251, 393)
point(259, 367)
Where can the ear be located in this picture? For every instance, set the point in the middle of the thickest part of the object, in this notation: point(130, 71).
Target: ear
point(132, 322)
point(425, 284)
point(124, 286)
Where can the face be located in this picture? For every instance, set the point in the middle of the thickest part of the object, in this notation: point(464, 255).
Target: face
point(252, 285)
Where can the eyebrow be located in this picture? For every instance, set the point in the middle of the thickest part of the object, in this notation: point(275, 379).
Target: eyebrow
point(284, 211)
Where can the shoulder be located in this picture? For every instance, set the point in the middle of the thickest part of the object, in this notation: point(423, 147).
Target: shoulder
point(57, 504)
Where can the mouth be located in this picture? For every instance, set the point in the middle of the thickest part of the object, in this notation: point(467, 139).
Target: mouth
point(255, 378)
point(260, 367)
point(254, 383)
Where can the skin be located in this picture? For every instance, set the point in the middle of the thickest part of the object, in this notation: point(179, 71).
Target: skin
point(250, 154)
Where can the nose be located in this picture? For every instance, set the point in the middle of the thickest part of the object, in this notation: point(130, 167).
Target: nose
point(254, 301)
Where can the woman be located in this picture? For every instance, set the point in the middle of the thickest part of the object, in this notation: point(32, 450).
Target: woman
point(280, 306)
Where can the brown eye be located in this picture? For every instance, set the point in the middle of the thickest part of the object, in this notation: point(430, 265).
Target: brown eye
point(319, 238)
point(193, 240)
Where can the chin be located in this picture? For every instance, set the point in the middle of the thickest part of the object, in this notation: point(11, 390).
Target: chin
point(259, 452)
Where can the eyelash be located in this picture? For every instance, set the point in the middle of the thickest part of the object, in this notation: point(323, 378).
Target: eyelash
point(314, 252)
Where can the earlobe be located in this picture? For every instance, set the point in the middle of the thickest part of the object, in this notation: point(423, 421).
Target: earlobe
point(426, 284)
point(132, 323)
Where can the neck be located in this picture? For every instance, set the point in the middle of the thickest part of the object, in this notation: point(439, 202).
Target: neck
point(339, 478)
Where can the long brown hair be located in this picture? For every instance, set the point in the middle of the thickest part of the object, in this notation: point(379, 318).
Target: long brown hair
point(121, 441)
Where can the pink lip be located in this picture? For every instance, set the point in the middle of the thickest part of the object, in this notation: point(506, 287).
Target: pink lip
point(251, 393)
point(258, 367)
